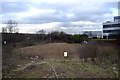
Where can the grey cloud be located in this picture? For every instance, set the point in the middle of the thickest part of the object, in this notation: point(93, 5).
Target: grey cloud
point(61, 11)
point(10, 7)
point(93, 13)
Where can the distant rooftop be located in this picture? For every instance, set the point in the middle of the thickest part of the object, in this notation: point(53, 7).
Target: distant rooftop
point(117, 17)
point(116, 21)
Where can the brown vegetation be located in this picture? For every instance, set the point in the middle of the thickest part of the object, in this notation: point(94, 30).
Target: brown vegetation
point(101, 59)
point(50, 50)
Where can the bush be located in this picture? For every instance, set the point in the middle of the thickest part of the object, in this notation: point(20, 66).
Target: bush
point(101, 54)
point(79, 38)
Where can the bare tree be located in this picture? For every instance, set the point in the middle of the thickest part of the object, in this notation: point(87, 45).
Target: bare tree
point(4, 30)
point(40, 32)
point(12, 26)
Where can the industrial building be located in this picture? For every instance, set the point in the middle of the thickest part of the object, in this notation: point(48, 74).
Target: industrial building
point(93, 34)
point(111, 30)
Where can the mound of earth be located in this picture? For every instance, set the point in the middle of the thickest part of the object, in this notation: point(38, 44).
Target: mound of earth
point(51, 50)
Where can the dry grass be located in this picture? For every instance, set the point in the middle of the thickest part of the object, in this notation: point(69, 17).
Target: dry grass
point(100, 52)
point(51, 50)
point(64, 67)
point(52, 68)
point(103, 53)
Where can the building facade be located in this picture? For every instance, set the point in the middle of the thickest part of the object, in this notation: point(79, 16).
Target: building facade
point(111, 30)
point(93, 34)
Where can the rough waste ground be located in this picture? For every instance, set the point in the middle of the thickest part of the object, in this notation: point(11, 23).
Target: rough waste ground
point(52, 64)
point(52, 68)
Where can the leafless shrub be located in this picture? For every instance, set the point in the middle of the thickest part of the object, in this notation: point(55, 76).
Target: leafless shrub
point(99, 54)
point(88, 51)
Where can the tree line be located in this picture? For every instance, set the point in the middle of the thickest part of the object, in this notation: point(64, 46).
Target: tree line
point(40, 36)
point(11, 27)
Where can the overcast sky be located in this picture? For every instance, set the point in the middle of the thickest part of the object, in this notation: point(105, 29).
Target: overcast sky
point(71, 16)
